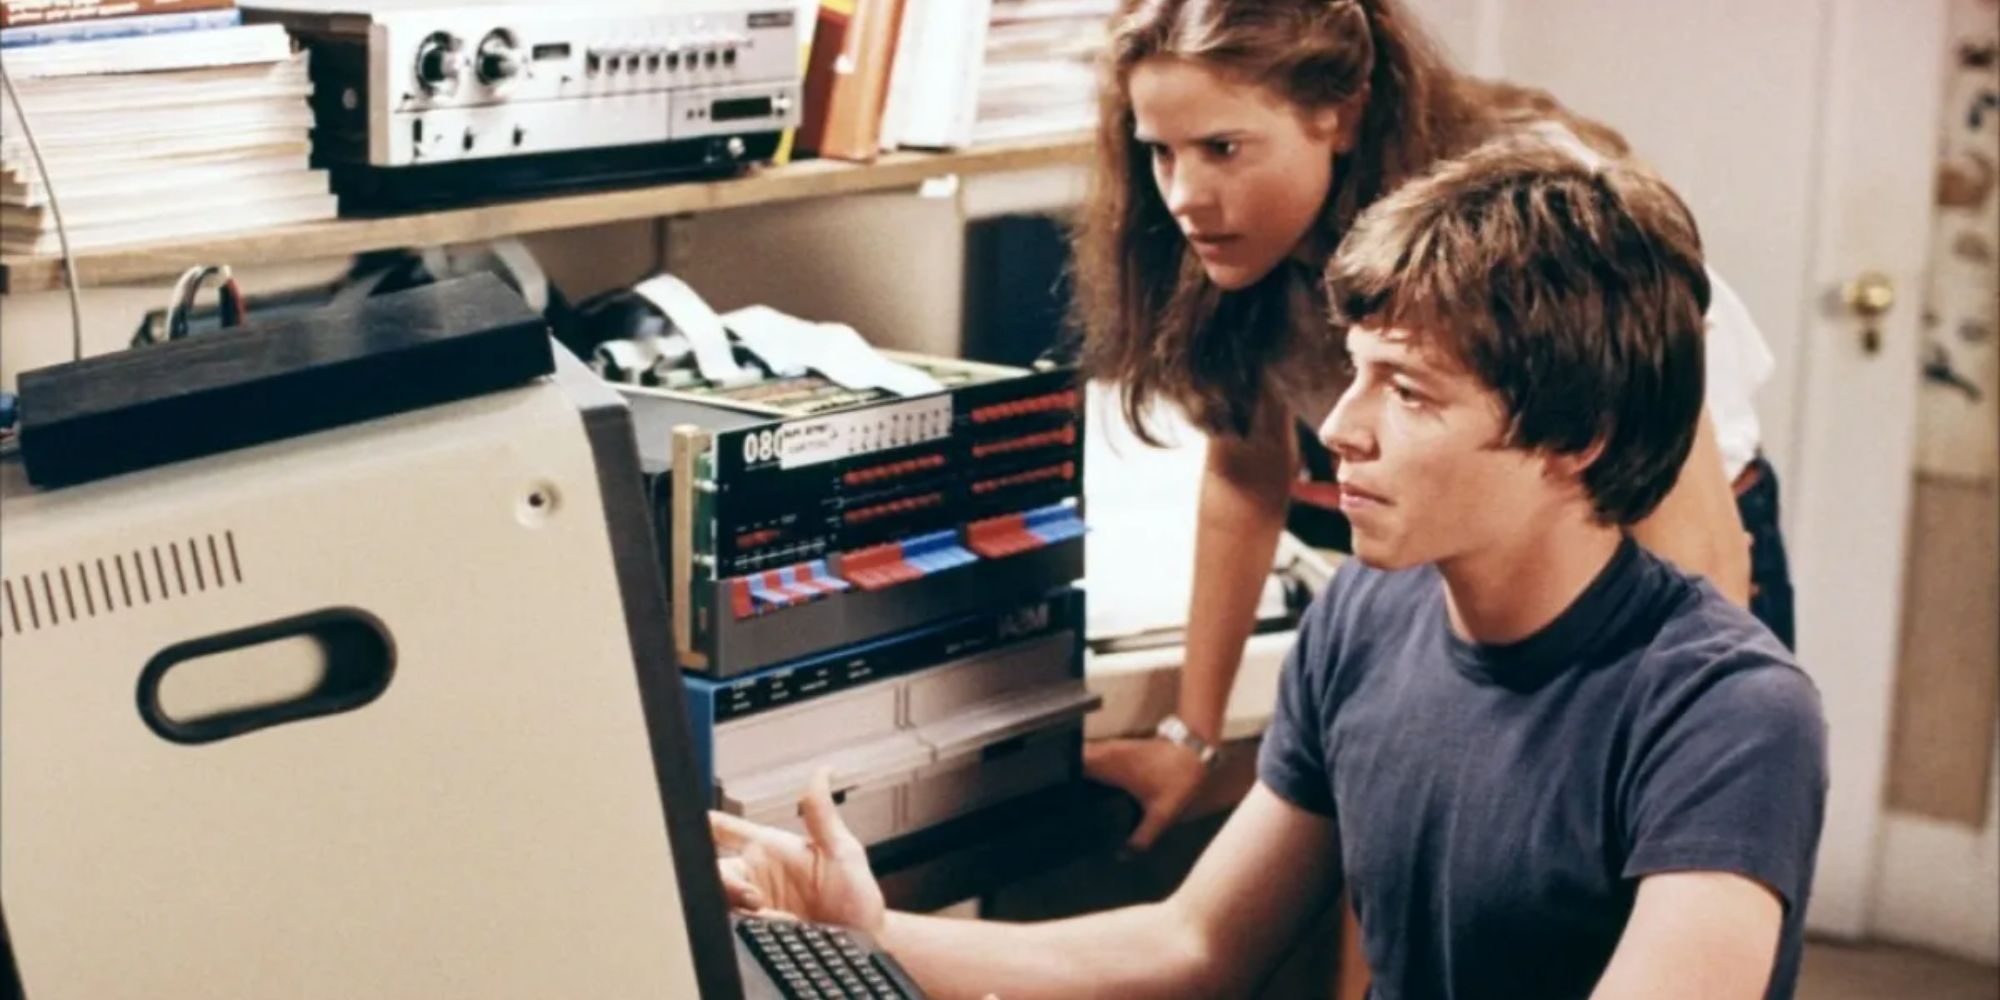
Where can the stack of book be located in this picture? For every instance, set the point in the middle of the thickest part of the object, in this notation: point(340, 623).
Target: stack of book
point(1039, 75)
point(155, 119)
point(847, 78)
point(946, 74)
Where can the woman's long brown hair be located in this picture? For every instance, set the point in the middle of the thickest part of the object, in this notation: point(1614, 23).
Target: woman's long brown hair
point(1153, 322)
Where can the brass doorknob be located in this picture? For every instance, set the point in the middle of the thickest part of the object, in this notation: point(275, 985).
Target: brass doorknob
point(1869, 296)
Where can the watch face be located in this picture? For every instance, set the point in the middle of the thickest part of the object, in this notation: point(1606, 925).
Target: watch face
point(1174, 731)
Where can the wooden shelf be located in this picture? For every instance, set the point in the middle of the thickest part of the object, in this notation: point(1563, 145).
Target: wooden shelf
point(338, 237)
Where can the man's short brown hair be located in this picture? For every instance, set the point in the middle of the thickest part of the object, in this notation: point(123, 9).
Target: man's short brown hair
point(1573, 287)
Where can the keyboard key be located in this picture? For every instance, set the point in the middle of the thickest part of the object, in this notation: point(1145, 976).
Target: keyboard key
point(812, 962)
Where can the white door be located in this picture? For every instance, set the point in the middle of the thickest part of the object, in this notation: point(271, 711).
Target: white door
point(1803, 133)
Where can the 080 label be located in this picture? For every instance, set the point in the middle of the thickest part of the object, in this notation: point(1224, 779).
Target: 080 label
point(845, 435)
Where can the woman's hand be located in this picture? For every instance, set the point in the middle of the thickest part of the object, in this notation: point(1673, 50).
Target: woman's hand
point(822, 877)
point(1161, 775)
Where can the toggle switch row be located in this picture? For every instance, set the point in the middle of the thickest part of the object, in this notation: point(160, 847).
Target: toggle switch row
point(880, 566)
point(1011, 534)
point(1050, 403)
point(875, 512)
point(783, 588)
point(1065, 435)
point(893, 470)
point(1066, 470)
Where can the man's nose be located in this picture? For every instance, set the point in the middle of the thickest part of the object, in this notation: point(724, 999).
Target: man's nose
point(1346, 431)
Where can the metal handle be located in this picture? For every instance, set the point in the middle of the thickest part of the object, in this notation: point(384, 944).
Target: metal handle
point(1869, 296)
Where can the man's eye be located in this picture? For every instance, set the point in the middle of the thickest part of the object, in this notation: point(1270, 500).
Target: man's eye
point(1406, 395)
point(1223, 149)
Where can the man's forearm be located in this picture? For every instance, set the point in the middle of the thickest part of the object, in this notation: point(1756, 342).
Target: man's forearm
point(1257, 885)
point(1136, 953)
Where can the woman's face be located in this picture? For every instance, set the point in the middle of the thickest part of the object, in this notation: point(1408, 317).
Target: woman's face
point(1241, 169)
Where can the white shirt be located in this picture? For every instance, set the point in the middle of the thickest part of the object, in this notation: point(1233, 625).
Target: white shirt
point(1738, 364)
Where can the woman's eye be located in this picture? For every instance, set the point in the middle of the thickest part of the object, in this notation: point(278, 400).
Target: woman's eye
point(1405, 395)
point(1223, 149)
point(1159, 152)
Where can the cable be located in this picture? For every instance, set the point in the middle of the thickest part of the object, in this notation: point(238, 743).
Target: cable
point(55, 209)
point(233, 308)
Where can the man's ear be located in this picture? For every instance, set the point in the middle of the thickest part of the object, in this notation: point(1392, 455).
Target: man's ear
point(1571, 465)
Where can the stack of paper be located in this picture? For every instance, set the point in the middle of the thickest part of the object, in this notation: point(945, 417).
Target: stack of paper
point(934, 87)
point(1039, 76)
point(157, 137)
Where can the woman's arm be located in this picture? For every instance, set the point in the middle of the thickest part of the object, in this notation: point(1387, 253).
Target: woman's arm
point(1245, 487)
point(1697, 526)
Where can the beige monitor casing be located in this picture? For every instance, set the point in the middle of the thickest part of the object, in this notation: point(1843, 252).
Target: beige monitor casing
point(490, 826)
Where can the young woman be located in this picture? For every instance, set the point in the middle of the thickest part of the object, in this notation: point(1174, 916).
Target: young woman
point(1237, 141)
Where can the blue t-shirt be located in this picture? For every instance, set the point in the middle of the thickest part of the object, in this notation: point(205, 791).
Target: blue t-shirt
point(1496, 807)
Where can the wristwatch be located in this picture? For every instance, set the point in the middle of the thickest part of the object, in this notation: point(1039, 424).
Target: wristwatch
point(1174, 731)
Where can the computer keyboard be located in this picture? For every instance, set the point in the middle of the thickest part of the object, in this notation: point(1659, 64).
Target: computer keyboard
point(817, 962)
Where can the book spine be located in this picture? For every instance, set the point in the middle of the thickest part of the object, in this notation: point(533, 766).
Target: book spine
point(830, 46)
point(873, 95)
point(118, 27)
point(23, 13)
point(848, 81)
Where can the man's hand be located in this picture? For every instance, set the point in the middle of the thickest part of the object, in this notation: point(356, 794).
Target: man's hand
point(822, 877)
point(1162, 776)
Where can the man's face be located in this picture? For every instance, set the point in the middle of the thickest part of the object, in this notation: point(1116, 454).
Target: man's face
point(1424, 473)
point(1243, 172)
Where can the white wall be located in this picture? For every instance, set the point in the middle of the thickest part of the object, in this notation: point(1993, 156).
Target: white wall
point(891, 264)
point(1742, 166)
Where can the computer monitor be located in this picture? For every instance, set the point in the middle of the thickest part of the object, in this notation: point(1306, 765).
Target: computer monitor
point(383, 709)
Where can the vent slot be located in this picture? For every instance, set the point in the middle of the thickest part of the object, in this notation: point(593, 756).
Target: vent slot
point(121, 581)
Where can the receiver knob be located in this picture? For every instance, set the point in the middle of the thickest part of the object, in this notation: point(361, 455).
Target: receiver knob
point(499, 60)
point(439, 63)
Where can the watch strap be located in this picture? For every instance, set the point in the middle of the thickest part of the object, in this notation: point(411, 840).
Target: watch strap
point(1175, 731)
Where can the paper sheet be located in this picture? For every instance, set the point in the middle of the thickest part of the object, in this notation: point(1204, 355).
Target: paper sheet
point(831, 349)
point(702, 327)
point(1142, 502)
point(839, 353)
point(767, 333)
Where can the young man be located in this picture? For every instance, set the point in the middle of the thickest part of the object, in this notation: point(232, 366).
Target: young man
point(1544, 762)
